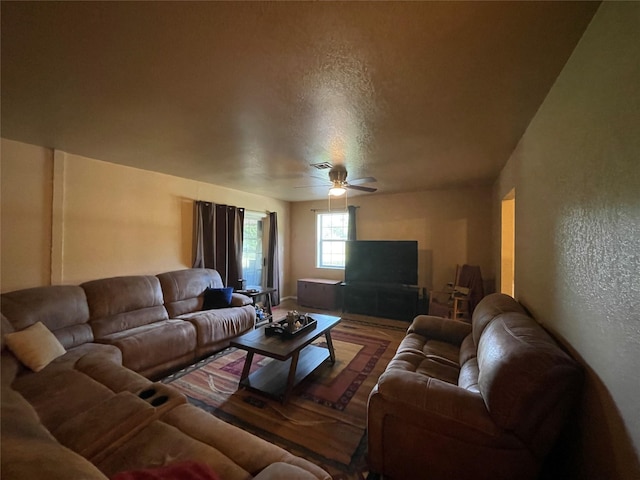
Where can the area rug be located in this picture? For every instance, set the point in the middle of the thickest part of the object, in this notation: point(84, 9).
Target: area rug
point(325, 418)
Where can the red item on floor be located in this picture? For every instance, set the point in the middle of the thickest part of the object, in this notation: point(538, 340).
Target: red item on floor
point(188, 470)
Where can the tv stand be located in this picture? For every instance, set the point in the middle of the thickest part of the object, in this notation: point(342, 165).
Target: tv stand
point(381, 300)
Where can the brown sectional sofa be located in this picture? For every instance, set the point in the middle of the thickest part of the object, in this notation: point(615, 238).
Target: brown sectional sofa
point(95, 411)
point(484, 400)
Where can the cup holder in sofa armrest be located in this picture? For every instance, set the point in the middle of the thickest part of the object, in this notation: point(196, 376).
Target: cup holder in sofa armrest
point(147, 393)
point(162, 397)
point(157, 401)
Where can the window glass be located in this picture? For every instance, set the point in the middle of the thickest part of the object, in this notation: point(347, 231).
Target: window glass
point(332, 230)
point(252, 258)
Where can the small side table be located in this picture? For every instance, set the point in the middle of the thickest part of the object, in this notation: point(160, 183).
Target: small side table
point(256, 293)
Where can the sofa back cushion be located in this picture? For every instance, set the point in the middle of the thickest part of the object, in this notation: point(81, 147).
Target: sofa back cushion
point(488, 308)
point(526, 380)
point(121, 303)
point(183, 290)
point(63, 309)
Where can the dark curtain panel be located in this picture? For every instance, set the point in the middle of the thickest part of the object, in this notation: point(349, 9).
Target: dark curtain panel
point(219, 236)
point(351, 231)
point(273, 271)
point(238, 226)
point(203, 253)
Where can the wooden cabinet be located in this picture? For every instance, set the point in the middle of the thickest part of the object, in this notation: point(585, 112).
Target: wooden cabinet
point(319, 293)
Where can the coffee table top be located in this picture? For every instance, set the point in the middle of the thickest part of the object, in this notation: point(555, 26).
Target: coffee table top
point(280, 347)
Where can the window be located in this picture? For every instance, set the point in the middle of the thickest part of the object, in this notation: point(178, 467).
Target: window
point(331, 233)
point(252, 258)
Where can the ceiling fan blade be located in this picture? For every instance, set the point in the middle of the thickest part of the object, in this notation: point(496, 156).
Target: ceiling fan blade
point(360, 181)
point(326, 185)
point(362, 189)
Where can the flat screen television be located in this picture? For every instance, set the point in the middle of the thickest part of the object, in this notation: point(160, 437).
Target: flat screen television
point(382, 261)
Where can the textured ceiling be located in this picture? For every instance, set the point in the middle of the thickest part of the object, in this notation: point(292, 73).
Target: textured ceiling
point(420, 95)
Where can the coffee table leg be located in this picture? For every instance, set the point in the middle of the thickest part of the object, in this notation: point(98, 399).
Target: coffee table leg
point(292, 376)
point(247, 366)
point(332, 353)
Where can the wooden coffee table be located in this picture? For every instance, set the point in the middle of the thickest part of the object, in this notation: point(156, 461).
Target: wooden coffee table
point(296, 357)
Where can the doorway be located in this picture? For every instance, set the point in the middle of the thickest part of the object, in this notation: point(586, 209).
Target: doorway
point(508, 237)
point(252, 253)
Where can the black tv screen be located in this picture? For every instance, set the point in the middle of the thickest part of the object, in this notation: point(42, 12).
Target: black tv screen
point(382, 261)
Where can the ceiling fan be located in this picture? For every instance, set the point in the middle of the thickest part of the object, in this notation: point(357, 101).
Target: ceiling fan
point(339, 184)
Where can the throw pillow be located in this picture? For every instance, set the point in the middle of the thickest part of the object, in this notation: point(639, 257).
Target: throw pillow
point(217, 298)
point(35, 346)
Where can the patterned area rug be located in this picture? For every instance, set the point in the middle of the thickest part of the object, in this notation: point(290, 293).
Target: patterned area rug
point(325, 419)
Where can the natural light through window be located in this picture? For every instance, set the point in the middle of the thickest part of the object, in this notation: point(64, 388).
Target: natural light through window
point(252, 258)
point(331, 233)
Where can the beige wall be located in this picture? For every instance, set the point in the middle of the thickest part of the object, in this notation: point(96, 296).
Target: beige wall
point(108, 219)
point(577, 177)
point(26, 192)
point(451, 226)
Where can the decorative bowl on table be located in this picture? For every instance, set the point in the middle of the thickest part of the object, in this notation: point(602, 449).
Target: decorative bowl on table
point(290, 326)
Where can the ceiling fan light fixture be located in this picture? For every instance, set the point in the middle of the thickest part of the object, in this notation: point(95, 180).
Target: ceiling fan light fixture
point(337, 191)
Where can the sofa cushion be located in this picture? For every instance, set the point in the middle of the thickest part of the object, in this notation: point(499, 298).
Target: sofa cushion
point(488, 308)
point(217, 298)
point(425, 367)
point(182, 470)
point(468, 378)
point(427, 356)
point(250, 452)
point(115, 420)
point(159, 444)
point(105, 425)
point(183, 290)
point(63, 309)
point(105, 353)
point(59, 395)
point(282, 470)
point(35, 346)
point(164, 343)
point(122, 303)
point(216, 327)
point(438, 328)
point(110, 373)
point(523, 373)
point(468, 350)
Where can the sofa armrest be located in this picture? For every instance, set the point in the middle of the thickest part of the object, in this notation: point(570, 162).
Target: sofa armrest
point(439, 328)
point(412, 393)
point(28, 450)
point(240, 300)
point(416, 423)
